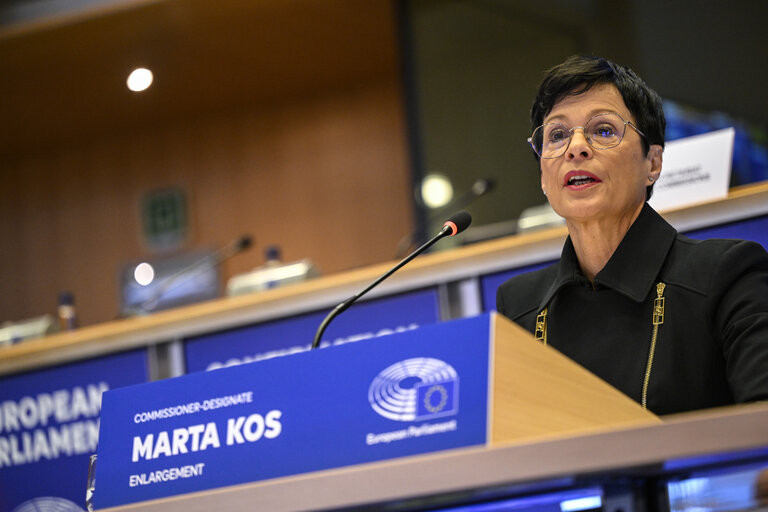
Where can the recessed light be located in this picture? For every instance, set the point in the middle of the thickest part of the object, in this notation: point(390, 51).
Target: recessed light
point(139, 80)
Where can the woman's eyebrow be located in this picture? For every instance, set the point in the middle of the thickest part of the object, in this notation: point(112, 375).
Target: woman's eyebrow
point(592, 113)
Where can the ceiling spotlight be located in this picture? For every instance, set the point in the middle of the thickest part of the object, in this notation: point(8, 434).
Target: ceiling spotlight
point(139, 80)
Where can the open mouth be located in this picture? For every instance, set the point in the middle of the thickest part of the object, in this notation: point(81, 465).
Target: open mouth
point(581, 180)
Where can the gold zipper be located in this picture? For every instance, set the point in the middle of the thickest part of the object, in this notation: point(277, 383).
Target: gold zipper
point(658, 319)
point(541, 326)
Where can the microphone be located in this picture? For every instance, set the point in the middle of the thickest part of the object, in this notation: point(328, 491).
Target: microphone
point(479, 188)
point(457, 223)
point(235, 247)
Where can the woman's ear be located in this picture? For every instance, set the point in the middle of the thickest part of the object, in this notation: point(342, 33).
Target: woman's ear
point(655, 157)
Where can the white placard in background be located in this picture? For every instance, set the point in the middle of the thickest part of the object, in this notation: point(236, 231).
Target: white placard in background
point(695, 169)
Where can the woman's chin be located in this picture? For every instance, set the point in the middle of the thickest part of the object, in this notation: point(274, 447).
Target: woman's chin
point(585, 210)
point(580, 210)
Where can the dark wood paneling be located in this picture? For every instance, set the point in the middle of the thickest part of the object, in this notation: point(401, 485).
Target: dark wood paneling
point(279, 118)
point(325, 178)
point(64, 79)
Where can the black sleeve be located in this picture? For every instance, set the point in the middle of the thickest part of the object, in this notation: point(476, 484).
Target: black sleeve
point(738, 297)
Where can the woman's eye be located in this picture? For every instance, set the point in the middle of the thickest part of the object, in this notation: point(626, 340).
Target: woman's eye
point(557, 135)
point(604, 131)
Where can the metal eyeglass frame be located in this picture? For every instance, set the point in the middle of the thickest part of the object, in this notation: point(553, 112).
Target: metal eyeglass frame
point(586, 136)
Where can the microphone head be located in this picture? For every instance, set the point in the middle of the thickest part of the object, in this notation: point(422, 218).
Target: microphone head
point(458, 222)
point(483, 186)
point(243, 243)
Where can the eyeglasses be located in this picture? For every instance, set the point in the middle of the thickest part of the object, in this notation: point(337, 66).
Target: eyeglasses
point(602, 131)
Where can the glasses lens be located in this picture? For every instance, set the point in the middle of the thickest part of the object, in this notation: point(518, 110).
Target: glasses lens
point(605, 130)
point(550, 140)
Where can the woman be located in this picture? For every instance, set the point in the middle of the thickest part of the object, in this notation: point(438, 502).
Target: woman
point(674, 323)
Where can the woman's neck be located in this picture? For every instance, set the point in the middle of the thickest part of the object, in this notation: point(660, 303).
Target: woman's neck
point(596, 239)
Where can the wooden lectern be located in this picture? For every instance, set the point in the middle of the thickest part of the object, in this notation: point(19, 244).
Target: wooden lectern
point(538, 392)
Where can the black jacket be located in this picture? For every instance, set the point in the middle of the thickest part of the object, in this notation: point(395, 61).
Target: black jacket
point(710, 350)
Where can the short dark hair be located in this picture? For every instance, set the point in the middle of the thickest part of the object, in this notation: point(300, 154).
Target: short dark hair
point(579, 73)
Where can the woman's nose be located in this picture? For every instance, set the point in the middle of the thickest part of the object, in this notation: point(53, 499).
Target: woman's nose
point(579, 147)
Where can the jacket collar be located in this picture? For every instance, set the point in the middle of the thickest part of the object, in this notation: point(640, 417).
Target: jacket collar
point(635, 265)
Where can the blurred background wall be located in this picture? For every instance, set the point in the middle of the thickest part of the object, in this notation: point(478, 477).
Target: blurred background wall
point(306, 123)
point(475, 67)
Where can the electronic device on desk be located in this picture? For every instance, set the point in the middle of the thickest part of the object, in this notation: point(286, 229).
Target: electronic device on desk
point(743, 487)
point(272, 274)
point(14, 332)
point(177, 280)
point(169, 282)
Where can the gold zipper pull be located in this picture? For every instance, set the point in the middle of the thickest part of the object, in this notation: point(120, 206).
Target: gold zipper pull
point(541, 326)
point(658, 305)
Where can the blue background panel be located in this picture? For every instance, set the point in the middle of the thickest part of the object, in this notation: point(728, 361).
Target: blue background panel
point(755, 229)
point(294, 334)
point(491, 282)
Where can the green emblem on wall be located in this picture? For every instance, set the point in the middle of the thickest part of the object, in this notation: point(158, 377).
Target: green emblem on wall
point(164, 218)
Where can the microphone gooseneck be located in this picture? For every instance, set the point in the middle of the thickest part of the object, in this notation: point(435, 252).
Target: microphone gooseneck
point(457, 223)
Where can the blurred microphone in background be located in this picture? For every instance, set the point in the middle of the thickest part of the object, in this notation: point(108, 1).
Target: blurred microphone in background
point(478, 189)
point(166, 287)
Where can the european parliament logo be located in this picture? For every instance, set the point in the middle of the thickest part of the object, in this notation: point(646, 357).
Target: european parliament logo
point(48, 504)
point(416, 389)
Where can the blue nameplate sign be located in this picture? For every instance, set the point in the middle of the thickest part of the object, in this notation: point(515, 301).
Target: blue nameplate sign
point(403, 394)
